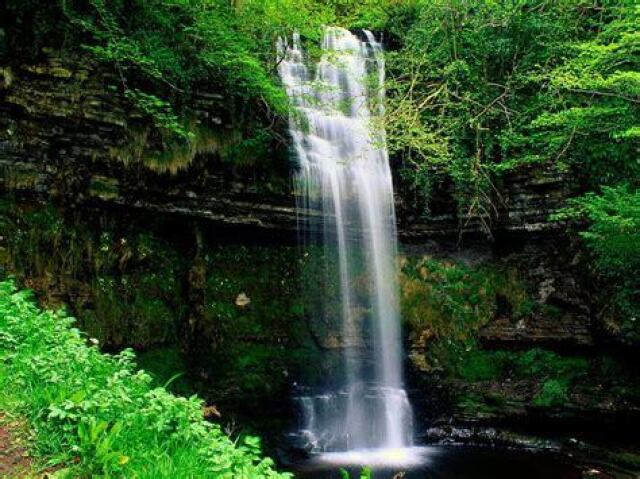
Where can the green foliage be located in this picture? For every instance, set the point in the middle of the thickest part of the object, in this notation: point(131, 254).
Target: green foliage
point(614, 228)
point(265, 21)
point(365, 473)
point(478, 89)
point(594, 123)
point(613, 238)
point(160, 111)
point(163, 51)
point(126, 288)
point(94, 415)
point(553, 393)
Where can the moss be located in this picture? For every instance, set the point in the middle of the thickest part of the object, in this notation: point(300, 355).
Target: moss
point(132, 310)
point(628, 458)
point(104, 187)
point(554, 392)
point(137, 292)
point(478, 404)
point(169, 157)
point(267, 276)
point(538, 378)
point(452, 299)
point(479, 365)
point(123, 285)
point(254, 307)
point(445, 303)
point(243, 149)
point(470, 400)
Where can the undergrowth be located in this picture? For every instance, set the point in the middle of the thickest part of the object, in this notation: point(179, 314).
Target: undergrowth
point(94, 415)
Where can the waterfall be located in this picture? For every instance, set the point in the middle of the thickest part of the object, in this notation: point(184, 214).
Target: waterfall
point(343, 171)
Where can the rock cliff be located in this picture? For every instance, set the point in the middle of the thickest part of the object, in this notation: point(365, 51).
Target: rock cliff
point(68, 136)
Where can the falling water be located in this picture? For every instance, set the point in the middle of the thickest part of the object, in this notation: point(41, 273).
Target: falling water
point(344, 172)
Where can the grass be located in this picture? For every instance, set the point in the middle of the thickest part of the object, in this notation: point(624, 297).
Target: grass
point(95, 415)
point(166, 367)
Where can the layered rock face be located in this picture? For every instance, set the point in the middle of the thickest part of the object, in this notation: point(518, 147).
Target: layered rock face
point(66, 130)
point(520, 299)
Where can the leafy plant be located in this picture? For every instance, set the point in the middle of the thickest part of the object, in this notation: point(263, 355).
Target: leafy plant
point(480, 89)
point(365, 473)
point(553, 393)
point(95, 415)
point(612, 236)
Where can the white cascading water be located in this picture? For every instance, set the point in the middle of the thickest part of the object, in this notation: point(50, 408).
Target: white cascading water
point(344, 172)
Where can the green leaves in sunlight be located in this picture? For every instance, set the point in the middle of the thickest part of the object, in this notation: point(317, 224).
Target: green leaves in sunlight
point(94, 415)
point(477, 89)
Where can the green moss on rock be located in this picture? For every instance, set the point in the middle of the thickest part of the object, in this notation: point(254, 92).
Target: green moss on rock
point(124, 285)
point(445, 303)
point(255, 311)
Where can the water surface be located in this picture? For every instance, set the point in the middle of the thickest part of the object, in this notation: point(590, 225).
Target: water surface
point(441, 462)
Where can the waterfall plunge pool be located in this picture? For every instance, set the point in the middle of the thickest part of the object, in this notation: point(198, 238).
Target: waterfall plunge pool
point(445, 462)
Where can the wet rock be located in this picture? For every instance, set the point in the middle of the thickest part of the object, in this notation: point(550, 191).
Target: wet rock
point(562, 316)
point(541, 330)
point(488, 437)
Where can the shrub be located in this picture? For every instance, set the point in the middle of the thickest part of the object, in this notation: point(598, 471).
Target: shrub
point(554, 392)
point(613, 240)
